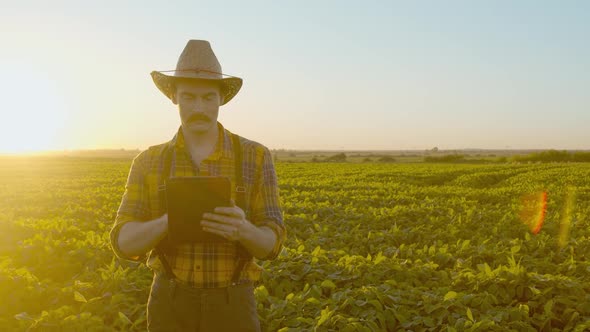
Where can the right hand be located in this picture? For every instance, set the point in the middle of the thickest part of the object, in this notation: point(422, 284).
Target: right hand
point(164, 222)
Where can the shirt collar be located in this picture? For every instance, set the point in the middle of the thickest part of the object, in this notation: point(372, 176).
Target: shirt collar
point(222, 147)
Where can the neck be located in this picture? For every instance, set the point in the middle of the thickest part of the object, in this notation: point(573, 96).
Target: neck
point(201, 140)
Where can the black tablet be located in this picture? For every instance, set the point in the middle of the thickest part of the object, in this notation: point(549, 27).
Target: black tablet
point(187, 199)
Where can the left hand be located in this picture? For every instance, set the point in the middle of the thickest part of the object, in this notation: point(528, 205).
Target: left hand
point(227, 222)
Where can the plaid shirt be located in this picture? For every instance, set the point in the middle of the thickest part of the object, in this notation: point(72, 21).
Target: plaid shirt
point(203, 265)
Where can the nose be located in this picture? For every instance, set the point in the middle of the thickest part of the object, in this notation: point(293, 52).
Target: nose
point(198, 105)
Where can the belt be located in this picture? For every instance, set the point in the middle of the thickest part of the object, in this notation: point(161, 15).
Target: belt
point(243, 258)
point(223, 294)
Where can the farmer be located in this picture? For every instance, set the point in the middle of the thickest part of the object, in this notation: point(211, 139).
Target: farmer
point(201, 286)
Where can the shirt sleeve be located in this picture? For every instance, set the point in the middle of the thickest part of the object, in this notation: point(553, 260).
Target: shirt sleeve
point(266, 209)
point(134, 204)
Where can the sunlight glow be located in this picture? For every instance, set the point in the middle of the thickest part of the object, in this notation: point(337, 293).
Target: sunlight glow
point(534, 209)
point(566, 217)
point(33, 113)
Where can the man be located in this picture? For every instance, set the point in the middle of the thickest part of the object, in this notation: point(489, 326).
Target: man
point(201, 286)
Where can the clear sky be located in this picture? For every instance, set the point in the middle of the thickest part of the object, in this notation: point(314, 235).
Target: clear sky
point(317, 74)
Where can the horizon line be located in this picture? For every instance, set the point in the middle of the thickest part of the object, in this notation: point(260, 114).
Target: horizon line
point(125, 151)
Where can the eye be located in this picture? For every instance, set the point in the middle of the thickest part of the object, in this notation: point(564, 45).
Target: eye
point(187, 96)
point(209, 97)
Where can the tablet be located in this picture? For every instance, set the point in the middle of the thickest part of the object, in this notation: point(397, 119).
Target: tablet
point(187, 199)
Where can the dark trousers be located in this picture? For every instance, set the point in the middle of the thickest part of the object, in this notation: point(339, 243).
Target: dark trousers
point(175, 307)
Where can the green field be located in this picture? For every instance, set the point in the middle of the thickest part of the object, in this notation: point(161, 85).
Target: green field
point(371, 247)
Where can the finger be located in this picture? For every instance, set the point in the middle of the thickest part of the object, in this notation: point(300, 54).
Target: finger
point(231, 211)
point(215, 231)
point(222, 218)
point(217, 226)
point(230, 233)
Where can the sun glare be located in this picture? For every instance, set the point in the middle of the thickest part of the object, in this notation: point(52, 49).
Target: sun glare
point(33, 111)
point(534, 209)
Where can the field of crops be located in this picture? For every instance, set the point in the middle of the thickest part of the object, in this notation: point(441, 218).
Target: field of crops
point(371, 247)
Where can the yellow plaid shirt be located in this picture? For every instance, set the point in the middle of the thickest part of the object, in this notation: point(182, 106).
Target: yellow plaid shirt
point(203, 265)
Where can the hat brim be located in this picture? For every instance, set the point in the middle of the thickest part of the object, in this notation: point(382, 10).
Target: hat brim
point(229, 86)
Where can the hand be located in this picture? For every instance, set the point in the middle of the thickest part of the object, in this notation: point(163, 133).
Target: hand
point(163, 223)
point(227, 222)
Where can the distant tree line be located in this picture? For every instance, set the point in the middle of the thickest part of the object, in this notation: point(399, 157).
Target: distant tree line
point(341, 157)
point(337, 158)
point(543, 156)
point(449, 158)
point(554, 156)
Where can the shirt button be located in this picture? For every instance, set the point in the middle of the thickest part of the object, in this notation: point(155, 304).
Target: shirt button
point(198, 267)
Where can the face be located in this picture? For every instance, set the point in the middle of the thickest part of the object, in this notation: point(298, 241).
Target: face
point(198, 104)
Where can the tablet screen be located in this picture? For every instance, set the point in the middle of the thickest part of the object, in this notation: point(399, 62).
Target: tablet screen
point(187, 199)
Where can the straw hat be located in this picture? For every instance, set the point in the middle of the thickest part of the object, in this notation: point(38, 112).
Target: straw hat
point(197, 61)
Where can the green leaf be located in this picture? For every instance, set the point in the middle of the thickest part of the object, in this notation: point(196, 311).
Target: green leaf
point(328, 284)
point(548, 308)
point(428, 321)
point(379, 258)
point(376, 304)
point(470, 315)
point(81, 284)
point(465, 244)
point(450, 295)
point(325, 314)
point(94, 299)
point(313, 300)
point(124, 318)
point(79, 297)
point(401, 316)
point(316, 251)
point(261, 292)
point(534, 290)
point(23, 316)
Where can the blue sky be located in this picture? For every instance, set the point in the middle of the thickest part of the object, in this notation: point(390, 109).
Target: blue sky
point(327, 75)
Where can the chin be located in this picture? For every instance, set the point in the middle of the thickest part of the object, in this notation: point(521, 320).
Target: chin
point(200, 128)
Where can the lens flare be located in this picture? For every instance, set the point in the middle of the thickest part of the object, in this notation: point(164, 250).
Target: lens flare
point(566, 216)
point(534, 209)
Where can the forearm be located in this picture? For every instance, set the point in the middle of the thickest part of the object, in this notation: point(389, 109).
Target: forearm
point(259, 241)
point(138, 237)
